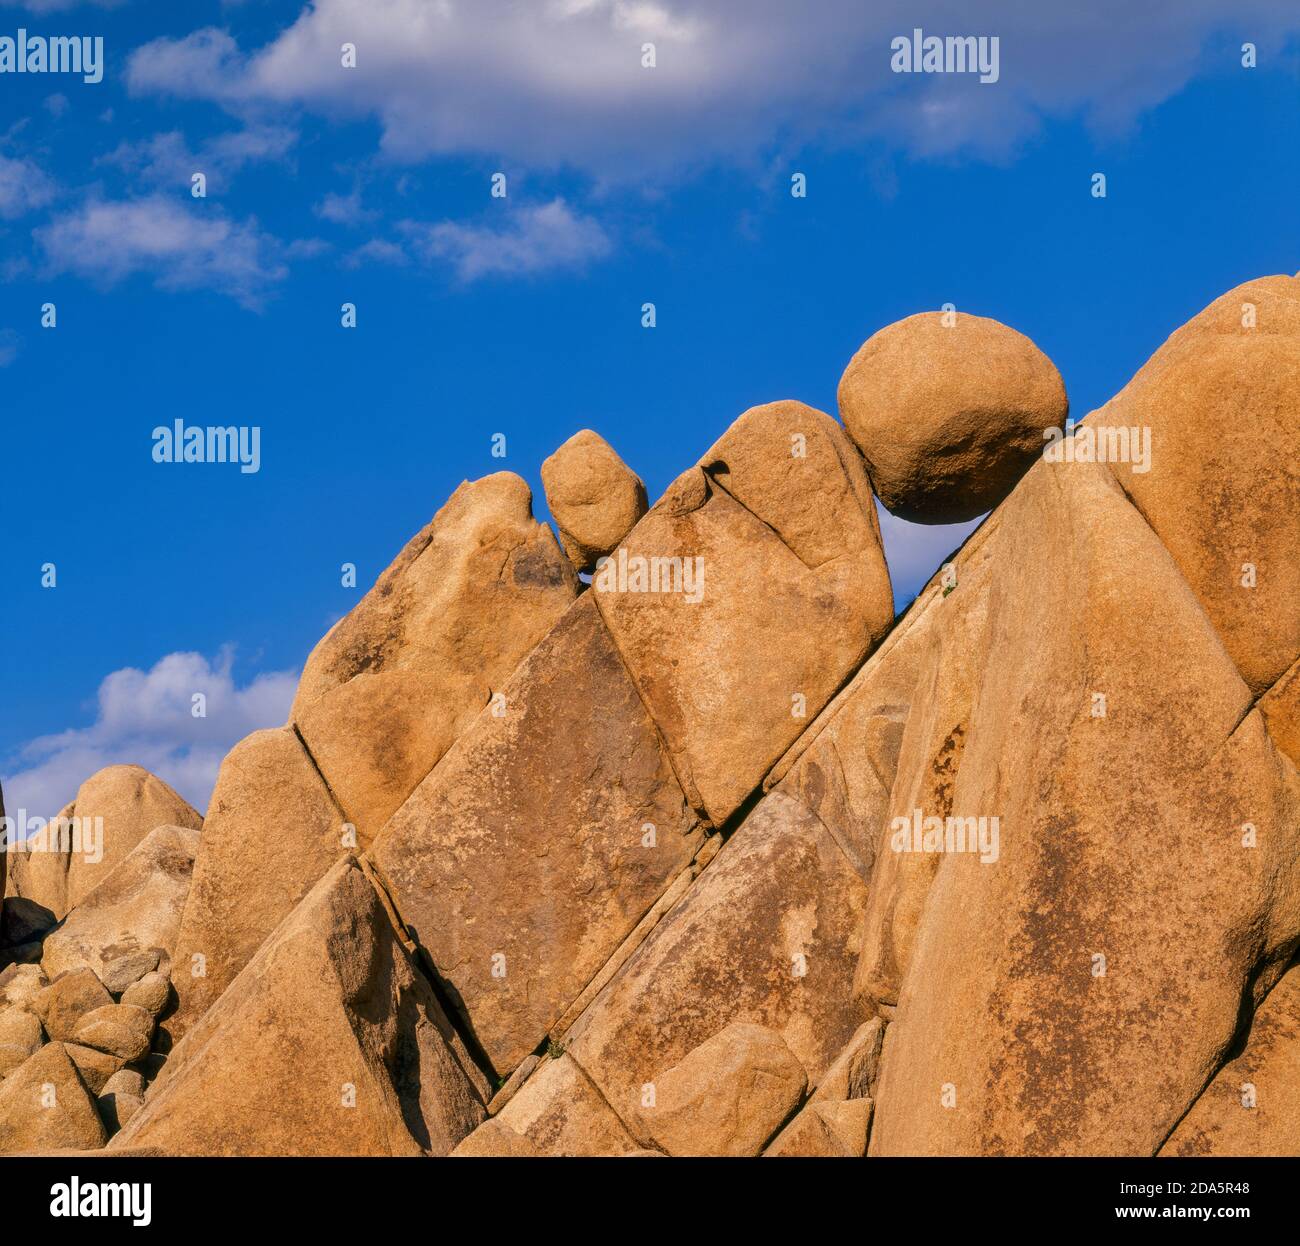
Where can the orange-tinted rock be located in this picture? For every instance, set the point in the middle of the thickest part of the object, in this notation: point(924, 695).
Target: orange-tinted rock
point(392, 685)
point(768, 935)
point(1252, 1107)
point(1220, 403)
point(727, 1096)
point(715, 597)
point(132, 916)
point(949, 410)
point(330, 1042)
point(272, 830)
point(528, 855)
point(593, 496)
point(44, 1105)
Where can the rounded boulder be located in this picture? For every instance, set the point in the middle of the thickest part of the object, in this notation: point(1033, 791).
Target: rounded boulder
point(594, 497)
point(949, 411)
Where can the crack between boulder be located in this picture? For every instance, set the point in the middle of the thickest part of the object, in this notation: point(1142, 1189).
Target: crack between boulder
point(315, 765)
point(686, 786)
point(717, 484)
point(1195, 596)
point(634, 1134)
point(418, 956)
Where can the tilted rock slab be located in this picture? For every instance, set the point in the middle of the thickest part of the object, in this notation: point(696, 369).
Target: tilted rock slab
point(1071, 989)
point(382, 698)
point(728, 1096)
point(136, 908)
point(538, 843)
point(778, 591)
point(272, 830)
point(391, 686)
point(1252, 1107)
point(45, 1105)
point(330, 1042)
point(768, 935)
point(1220, 403)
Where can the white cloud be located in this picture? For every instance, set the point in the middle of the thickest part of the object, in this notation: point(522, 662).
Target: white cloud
point(166, 158)
point(560, 82)
point(145, 718)
point(915, 551)
point(181, 247)
point(24, 187)
point(532, 239)
point(344, 209)
point(376, 251)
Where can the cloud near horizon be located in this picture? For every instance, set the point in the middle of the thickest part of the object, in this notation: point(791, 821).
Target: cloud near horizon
point(145, 718)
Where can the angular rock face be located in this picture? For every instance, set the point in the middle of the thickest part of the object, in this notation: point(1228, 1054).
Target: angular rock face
point(20, 1037)
point(726, 1097)
point(767, 936)
point(559, 1112)
point(492, 1140)
point(826, 1130)
point(948, 410)
point(594, 497)
point(272, 830)
point(382, 698)
point(393, 684)
point(729, 864)
point(44, 1104)
point(1219, 405)
point(1014, 934)
point(747, 595)
point(330, 1042)
point(527, 856)
point(134, 911)
point(1252, 1107)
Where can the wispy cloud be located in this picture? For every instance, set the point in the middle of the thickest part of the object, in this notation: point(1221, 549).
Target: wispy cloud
point(344, 209)
point(146, 718)
point(181, 247)
point(24, 187)
point(376, 251)
point(167, 159)
point(531, 240)
point(10, 344)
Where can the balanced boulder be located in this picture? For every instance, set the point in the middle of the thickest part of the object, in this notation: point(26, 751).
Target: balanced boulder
point(949, 411)
point(594, 497)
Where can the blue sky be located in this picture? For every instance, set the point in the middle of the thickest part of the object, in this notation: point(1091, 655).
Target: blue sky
point(522, 315)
